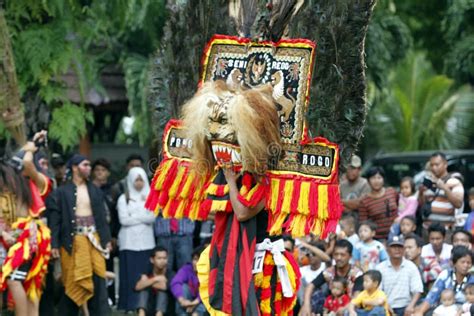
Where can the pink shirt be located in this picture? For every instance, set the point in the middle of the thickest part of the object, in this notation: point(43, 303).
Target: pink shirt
point(407, 206)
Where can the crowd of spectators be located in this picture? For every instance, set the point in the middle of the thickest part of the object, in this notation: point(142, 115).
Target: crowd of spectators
point(397, 251)
point(401, 250)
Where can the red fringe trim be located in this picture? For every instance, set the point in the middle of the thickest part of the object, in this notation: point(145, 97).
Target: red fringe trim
point(307, 211)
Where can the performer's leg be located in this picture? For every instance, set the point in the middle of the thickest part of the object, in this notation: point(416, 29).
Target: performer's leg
point(19, 296)
point(98, 304)
point(109, 264)
point(47, 299)
point(67, 306)
point(33, 308)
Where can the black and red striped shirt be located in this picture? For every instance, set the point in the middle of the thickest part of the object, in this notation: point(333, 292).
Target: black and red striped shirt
point(381, 210)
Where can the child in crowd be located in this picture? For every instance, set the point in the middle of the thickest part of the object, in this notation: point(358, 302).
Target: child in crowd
point(407, 204)
point(185, 289)
point(371, 301)
point(348, 229)
point(153, 288)
point(448, 306)
point(337, 301)
point(468, 307)
point(407, 226)
point(368, 252)
point(469, 225)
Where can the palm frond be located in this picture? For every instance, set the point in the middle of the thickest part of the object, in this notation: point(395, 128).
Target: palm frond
point(422, 110)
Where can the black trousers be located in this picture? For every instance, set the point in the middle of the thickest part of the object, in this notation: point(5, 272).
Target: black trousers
point(109, 266)
point(98, 305)
point(51, 294)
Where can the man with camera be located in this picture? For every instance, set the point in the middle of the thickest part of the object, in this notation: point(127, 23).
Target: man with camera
point(440, 194)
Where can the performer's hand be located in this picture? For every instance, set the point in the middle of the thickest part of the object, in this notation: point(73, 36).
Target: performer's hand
point(230, 175)
point(40, 136)
point(8, 238)
point(30, 146)
point(305, 310)
point(55, 253)
point(108, 246)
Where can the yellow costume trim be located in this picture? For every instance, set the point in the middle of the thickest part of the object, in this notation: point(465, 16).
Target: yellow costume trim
point(203, 268)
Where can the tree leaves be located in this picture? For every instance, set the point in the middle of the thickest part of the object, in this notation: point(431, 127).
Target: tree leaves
point(69, 124)
point(422, 110)
point(136, 69)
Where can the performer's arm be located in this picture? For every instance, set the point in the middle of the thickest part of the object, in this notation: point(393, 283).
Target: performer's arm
point(316, 251)
point(30, 169)
point(306, 308)
point(242, 212)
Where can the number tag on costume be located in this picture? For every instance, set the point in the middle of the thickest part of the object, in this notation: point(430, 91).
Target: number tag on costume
point(258, 259)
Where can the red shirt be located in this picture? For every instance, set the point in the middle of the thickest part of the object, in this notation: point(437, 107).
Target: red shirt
point(333, 304)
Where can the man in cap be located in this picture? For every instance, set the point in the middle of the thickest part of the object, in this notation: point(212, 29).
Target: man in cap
point(353, 187)
point(401, 279)
point(81, 238)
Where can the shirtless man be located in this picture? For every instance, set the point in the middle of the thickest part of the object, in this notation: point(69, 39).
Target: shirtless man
point(81, 239)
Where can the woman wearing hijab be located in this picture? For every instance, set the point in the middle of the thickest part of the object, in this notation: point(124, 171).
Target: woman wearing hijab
point(136, 239)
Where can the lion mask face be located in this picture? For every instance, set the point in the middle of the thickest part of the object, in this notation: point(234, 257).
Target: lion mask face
point(232, 126)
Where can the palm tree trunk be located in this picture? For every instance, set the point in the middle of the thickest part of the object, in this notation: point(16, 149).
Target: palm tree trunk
point(10, 106)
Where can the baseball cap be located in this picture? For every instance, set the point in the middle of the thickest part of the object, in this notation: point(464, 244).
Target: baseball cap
point(395, 240)
point(356, 162)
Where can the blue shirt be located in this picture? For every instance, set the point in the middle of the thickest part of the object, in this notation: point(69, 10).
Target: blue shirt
point(447, 280)
point(162, 227)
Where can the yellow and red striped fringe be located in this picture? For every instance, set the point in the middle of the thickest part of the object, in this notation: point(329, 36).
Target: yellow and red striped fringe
point(252, 192)
point(301, 206)
point(21, 251)
point(177, 191)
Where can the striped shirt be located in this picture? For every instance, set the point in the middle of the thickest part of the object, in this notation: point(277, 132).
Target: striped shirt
point(382, 211)
point(441, 208)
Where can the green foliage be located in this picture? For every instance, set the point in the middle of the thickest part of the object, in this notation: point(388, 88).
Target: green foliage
point(422, 110)
point(52, 37)
point(68, 124)
point(458, 34)
point(388, 41)
point(136, 68)
point(424, 20)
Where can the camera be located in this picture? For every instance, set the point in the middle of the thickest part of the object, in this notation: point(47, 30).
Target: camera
point(16, 163)
point(428, 183)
